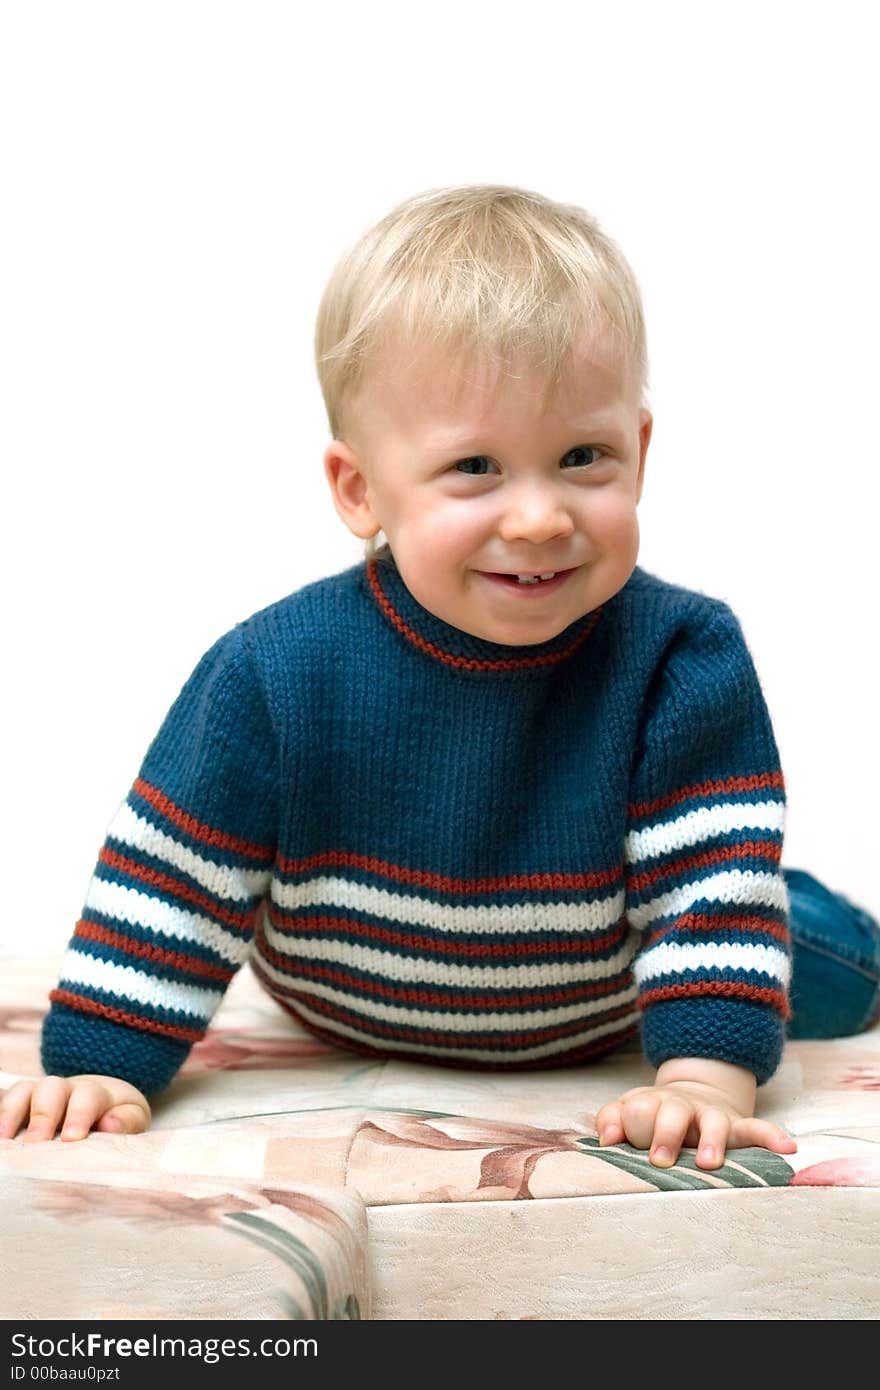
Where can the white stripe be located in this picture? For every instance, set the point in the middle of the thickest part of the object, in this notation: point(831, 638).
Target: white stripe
point(127, 905)
point(476, 1054)
point(452, 1022)
point(391, 965)
point(342, 894)
point(739, 887)
point(127, 983)
point(677, 958)
point(705, 823)
point(755, 1179)
point(224, 880)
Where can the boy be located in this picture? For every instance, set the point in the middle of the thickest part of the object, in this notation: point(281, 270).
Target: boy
point(494, 797)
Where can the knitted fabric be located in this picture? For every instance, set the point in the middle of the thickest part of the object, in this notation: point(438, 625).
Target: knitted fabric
point(438, 847)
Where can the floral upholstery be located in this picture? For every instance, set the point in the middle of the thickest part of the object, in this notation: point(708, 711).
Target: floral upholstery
point(284, 1178)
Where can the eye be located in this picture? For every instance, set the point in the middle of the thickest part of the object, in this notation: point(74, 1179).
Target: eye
point(590, 453)
point(478, 458)
point(583, 455)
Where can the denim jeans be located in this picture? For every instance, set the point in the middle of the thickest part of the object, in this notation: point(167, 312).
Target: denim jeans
point(835, 985)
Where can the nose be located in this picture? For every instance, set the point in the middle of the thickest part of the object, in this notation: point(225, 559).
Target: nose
point(534, 512)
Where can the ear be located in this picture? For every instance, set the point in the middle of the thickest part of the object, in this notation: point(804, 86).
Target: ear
point(646, 427)
point(350, 490)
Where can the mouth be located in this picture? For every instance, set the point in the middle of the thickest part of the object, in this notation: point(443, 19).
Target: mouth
point(528, 588)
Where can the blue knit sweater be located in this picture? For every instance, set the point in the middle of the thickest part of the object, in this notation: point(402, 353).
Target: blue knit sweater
point(438, 847)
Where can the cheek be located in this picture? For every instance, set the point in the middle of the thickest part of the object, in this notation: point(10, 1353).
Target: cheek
point(449, 526)
point(613, 518)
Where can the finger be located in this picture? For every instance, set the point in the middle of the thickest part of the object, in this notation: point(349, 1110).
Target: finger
point(48, 1103)
point(714, 1133)
point(609, 1125)
point(127, 1118)
point(14, 1107)
point(746, 1133)
point(671, 1124)
point(637, 1116)
point(89, 1100)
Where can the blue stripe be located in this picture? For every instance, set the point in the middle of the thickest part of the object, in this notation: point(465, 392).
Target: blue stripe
point(148, 937)
point(464, 995)
point(160, 1013)
point(542, 946)
point(693, 803)
point(474, 1037)
point(215, 904)
point(705, 874)
point(451, 897)
point(101, 950)
point(233, 859)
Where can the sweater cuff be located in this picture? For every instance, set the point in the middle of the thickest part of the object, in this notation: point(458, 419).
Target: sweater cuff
point(723, 1030)
point(73, 1044)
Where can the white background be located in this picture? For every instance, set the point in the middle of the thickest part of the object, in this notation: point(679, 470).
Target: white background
point(178, 180)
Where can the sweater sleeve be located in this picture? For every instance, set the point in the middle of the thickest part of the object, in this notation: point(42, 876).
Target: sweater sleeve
point(704, 842)
point(171, 904)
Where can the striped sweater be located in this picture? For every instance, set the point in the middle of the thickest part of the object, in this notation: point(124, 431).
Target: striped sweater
point(437, 847)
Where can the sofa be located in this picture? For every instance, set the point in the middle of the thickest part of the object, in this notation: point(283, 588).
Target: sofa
point(283, 1178)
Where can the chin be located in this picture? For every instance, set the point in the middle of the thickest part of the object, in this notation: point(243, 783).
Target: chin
point(522, 639)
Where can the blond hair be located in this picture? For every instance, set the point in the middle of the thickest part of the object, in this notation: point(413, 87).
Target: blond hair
point(477, 272)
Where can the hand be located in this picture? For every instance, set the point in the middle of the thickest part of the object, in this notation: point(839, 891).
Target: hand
point(664, 1117)
point(75, 1103)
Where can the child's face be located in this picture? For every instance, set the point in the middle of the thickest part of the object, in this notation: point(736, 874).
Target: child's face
point(469, 479)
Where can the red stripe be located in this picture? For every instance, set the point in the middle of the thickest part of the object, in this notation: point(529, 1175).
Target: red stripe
point(728, 921)
point(468, 663)
point(762, 781)
point(728, 989)
point(602, 1046)
point(241, 921)
point(723, 854)
point(207, 834)
point(399, 994)
point(417, 878)
point(174, 960)
point(583, 946)
point(515, 1037)
point(91, 1006)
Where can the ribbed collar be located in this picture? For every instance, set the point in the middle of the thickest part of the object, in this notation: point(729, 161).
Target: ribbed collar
point(462, 650)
